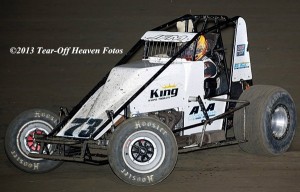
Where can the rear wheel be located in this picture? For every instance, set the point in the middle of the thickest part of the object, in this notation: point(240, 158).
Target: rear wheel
point(143, 151)
point(270, 121)
point(19, 140)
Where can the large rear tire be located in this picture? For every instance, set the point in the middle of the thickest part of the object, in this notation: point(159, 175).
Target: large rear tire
point(270, 121)
point(142, 151)
point(19, 140)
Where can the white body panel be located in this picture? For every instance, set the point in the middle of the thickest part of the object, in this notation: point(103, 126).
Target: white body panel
point(194, 115)
point(122, 82)
point(171, 89)
point(241, 58)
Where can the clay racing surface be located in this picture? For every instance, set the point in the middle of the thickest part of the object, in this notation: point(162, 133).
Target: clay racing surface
point(52, 80)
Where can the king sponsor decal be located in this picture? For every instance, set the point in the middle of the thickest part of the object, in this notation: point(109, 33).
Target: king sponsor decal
point(166, 92)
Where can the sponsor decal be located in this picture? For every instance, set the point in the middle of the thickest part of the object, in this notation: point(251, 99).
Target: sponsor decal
point(166, 92)
point(167, 38)
point(196, 112)
point(240, 50)
point(243, 65)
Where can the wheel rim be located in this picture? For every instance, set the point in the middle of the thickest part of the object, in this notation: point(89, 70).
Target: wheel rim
point(280, 121)
point(30, 143)
point(26, 137)
point(143, 151)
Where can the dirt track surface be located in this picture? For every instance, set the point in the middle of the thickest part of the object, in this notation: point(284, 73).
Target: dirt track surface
point(50, 81)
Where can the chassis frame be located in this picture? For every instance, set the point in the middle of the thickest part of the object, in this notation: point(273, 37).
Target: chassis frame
point(82, 149)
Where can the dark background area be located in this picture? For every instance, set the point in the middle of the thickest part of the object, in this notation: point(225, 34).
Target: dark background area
point(50, 81)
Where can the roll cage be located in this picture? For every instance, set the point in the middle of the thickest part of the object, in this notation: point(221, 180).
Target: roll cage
point(203, 21)
point(204, 24)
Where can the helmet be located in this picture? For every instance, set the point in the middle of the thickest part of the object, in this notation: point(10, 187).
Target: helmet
point(201, 48)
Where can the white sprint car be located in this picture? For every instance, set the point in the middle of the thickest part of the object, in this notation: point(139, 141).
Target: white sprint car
point(174, 91)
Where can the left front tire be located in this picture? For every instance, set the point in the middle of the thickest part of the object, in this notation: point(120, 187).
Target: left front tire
point(142, 151)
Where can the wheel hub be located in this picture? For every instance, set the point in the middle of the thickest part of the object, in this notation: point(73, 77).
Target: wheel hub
point(142, 151)
point(30, 142)
point(26, 136)
point(280, 122)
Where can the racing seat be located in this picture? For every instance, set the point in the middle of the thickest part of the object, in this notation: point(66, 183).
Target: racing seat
point(215, 82)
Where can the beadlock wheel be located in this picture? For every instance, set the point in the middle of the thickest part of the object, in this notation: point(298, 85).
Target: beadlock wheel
point(26, 137)
point(143, 151)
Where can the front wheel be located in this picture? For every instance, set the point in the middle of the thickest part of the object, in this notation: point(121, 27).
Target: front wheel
point(270, 120)
point(143, 151)
point(19, 140)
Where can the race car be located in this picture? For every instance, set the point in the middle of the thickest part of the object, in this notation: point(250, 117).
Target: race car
point(173, 92)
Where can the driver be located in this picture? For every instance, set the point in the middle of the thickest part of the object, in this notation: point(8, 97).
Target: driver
point(210, 68)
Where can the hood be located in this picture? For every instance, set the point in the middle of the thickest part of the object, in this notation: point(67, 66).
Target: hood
point(122, 82)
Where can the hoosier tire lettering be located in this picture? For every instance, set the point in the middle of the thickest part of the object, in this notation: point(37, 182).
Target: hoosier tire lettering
point(46, 115)
point(34, 166)
point(149, 178)
point(151, 124)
